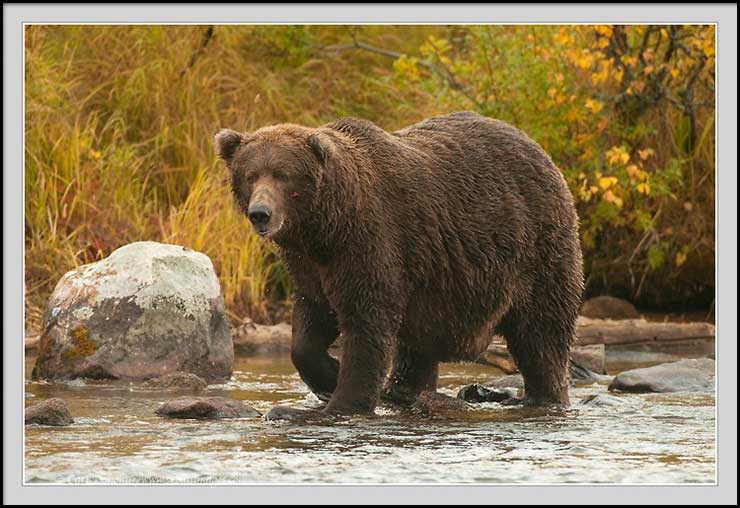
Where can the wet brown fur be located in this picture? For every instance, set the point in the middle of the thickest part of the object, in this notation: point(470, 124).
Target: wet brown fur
point(417, 245)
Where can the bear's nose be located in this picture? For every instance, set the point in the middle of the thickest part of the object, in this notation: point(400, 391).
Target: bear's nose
point(259, 215)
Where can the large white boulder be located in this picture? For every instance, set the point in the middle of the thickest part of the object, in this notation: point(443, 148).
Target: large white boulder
point(146, 310)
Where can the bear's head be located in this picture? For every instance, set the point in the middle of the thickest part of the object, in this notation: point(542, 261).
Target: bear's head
point(275, 175)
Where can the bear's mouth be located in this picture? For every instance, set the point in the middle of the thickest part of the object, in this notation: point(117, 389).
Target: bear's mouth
point(263, 232)
point(267, 231)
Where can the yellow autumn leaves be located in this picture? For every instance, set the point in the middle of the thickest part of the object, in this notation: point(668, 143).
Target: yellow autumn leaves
point(624, 174)
point(617, 155)
point(594, 106)
point(607, 181)
point(604, 30)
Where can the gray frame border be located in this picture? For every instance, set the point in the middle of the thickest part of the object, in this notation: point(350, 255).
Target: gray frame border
point(725, 15)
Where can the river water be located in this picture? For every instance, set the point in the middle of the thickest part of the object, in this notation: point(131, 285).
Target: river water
point(116, 438)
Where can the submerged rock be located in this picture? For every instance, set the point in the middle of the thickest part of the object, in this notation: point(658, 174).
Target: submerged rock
point(430, 403)
point(602, 400)
point(293, 414)
point(608, 307)
point(206, 408)
point(177, 381)
point(49, 412)
point(480, 393)
point(146, 310)
point(695, 375)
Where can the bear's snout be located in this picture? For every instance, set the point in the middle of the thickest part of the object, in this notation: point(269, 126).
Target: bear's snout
point(259, 214)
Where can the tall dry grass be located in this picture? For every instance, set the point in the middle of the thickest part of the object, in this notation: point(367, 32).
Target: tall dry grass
point(119, 122)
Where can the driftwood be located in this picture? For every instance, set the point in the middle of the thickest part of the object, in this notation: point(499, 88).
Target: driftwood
point(635, 331)
point(252, 338)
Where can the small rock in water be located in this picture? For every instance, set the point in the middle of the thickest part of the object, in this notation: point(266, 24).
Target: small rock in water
point(177, 381)
point(206, 408)
point(602, 400)
point(429, 403)
point(49, 412)
point(695, 375)
point(292, 414)
point(480, 393)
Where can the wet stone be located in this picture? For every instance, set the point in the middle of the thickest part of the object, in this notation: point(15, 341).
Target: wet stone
point(49, 412)
point(430, 403)
point(206, 408)
point(292, 414)
point(694, 375)
point(479, 393)
point(602, 400)
point(177, 381)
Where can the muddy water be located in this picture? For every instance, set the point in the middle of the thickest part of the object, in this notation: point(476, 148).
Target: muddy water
point(652, 439)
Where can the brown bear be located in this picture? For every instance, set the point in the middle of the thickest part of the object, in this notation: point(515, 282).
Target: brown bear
point(417, 246)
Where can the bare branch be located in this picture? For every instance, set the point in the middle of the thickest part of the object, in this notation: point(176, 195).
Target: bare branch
point(439, 70)
point(207, 36)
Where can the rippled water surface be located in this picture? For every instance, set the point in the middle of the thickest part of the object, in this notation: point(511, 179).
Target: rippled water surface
point(654, 438)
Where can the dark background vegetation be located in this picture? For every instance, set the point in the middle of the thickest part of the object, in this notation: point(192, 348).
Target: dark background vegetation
point(120, 121)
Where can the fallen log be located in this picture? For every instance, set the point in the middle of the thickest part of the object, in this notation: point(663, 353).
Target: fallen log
point(634, 331)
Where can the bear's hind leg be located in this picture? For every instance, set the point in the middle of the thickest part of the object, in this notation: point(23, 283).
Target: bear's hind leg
point(413, 373)
point(541, 350)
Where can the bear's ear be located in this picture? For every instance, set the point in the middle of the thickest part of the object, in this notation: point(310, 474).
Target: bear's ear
point(226, 142)
point(321, 145)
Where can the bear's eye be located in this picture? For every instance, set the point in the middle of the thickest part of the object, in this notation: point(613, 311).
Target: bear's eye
point(280, 175)
point(251, 178)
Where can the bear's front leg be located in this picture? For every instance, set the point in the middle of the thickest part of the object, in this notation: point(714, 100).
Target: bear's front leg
point(314, 330)
point(363, 369)
point(365, 364)
point(367, 297)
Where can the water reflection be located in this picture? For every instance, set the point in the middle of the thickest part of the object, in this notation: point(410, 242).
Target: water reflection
point(653, 438)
